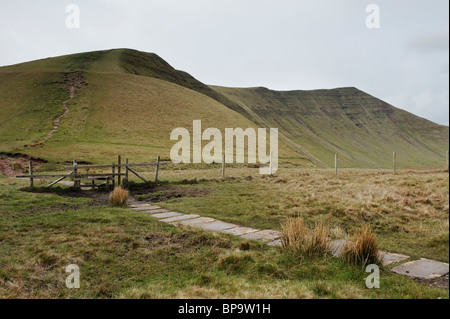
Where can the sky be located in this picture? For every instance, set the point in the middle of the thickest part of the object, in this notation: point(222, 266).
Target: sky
point(278, 44)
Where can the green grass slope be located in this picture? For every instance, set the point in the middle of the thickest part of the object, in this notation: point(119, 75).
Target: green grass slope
point(129, 104)
point(363, 130)
point(28, 102)
point(151, 65)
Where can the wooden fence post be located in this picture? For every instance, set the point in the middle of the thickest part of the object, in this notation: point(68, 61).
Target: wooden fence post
point(126, 173)
point(394, 159)
point(76, 179)
point(157, 169)
point(30, 170)
point(119, 161)
point(336, 164)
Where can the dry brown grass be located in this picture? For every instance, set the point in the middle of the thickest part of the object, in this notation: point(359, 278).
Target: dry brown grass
point(304, 242)
point(118, 197)
point(363, 249)
point(406, 210)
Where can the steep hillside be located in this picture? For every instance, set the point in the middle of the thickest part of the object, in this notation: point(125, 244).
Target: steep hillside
point(362, 129)
point(128, 103)
point(126, 61)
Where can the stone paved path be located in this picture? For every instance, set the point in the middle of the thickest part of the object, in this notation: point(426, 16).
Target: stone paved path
point(418, 269)
point(269, 236)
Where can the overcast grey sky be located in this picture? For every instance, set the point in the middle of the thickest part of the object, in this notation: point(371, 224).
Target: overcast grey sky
point(282, 44)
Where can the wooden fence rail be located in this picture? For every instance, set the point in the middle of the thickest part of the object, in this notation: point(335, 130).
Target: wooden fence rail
point(122, 177)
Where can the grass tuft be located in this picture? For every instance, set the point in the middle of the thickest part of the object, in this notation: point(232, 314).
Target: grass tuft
point(363, 249)
point(118, 197)
point(304, 242)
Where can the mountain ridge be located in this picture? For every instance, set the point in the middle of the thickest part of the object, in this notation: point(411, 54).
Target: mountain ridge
point(314, 124)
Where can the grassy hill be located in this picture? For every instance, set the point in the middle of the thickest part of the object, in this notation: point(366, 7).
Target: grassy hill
point(363, 130)
point(128, 102)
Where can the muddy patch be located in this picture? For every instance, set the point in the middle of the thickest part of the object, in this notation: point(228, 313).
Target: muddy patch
point(13, 165)
point(440, 282)
point(153, 194)
point(98, 197)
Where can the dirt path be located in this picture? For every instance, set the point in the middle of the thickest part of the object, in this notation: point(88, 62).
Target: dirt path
point(74, 81)
point(12, 166)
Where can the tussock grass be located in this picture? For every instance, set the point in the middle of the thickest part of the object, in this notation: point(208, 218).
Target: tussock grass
point(304, 242)
point(363, 249)
point(118, 197)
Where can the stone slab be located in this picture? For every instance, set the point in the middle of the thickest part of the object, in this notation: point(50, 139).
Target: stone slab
point(388, 259)
point(155, 211)
point(263, 235)
point(137, 204)
point(179, 218)
point(217, 225)
point(196, 221)
point(423, 268)
point(337, 247)
point(149, 207)
point(154, 207)
point(166, 215)
point(275, 243)
point(239, 231)
point(142, 206)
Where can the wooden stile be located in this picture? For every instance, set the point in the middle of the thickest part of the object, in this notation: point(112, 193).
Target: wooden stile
point(122, 175)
